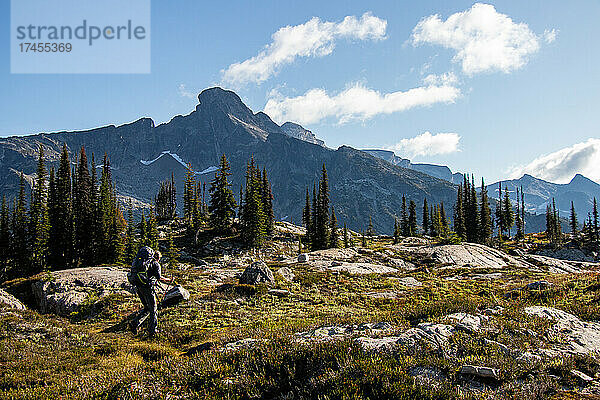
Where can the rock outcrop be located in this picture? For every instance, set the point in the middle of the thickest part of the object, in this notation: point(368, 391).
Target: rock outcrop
point(258, 272)
point(570, 334)
point(11, 301)
point(64, 292)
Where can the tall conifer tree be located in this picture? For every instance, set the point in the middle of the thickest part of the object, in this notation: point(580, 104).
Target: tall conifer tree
point(222, 201)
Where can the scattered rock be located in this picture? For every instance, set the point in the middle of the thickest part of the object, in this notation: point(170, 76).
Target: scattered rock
point(539, 285)
point(63, 292)
point(258, 272)
point(279, 292)
point(409, 281)
point(175, 295)
point(427, 376)
point(240, 344)
point(10, 300)
point(402, 264)
point(303, 258)
point(467, 322)
point(432, 336)
point(571, 335)
point(341, 331)
point(468, 255)
point(286, 274)
point(528, 357)
point(583, 378)
point(383, 295)
point(482, 372)
point(497, 310)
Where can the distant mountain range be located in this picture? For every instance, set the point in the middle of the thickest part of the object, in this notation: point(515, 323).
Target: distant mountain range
point(438, 171)
point(363, 183)
point(143, 154)
point(538, 192)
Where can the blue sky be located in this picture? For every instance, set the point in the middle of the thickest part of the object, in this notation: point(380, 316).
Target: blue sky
point(531, 108)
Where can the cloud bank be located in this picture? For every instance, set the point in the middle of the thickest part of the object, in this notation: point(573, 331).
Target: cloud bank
point(427, 144)
point(560, 166)
point(315, 38)
point(484, 40)
point(357, 102)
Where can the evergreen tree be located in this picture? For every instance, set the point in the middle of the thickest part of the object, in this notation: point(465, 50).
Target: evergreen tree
point(370, 230)
point(253, 217)
point(130, 242)
point(346, 238)
point(443, 220)
point(222, 202)
point(485, 216)
point(500, 212)
point(312, 232)
point(267, 202)
point(333, 228)
point(518, 223)
point(412, 218)
point(522, 211)
point(425, 217)
point(306, 216)
point(509, 217)
point(4, 238)
point(165, 201)
point(152, 231)
point(20, 234)
point(62, 226)
point(556, 219)
point(39, 221)
point(404, 228)
point(573, 220)
point(397, 232)
point(363, 241)
point(53, 249)
point(189, 195)
point(596, 232)
point(550, 224)
point(471, 212)
point(171, 250)
point(321, 212)
point(143, 231)
point(459, 223)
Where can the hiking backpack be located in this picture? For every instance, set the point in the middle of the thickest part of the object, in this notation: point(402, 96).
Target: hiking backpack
point(138, 276)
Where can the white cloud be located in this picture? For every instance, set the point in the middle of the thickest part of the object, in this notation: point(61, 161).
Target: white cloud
point(357, 102)
point(445, 79)
point(315, 38)
point(560, 166)
point(550, 35)
point(184, 92)
point(427, 144)
point(484, 39)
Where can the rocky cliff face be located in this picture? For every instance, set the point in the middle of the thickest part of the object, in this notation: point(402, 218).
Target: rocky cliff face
point(296, 131)
point(437, 171)
point(143, 154)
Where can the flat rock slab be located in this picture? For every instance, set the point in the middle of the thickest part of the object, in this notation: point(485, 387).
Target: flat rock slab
point(342, 331)
point(574, 336)
point(383, 295)
point(333, 254)
point(10, 300)
point(424, 335)
point(63, 292)
point(556, 266)
point(482, 372)
point(355, 268)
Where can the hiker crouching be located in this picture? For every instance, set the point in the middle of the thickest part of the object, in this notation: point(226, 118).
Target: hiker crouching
point(144, 275)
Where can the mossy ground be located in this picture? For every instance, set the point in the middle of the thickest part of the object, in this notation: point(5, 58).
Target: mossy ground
point(42, 356)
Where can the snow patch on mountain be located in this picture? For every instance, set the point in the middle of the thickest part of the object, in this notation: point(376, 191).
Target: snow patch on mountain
point(208, 170)
point(174, 155)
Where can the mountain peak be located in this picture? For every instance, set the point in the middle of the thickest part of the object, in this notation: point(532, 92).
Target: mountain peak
point(299, 132)
point(220, 95)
